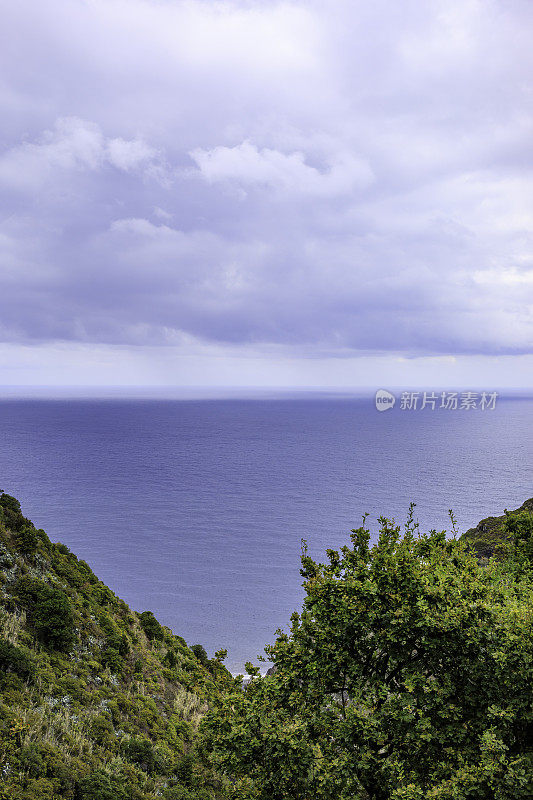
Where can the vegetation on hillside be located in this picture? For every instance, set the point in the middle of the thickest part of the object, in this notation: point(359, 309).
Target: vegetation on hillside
point(96, 702)
point(492, 535)
point(407, 675)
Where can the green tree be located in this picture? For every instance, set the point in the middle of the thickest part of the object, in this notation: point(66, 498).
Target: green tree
point(10, 503)
point(13, 659)
point(200, 653)
point(151, 626)
point(407, 675)
point(11, 513)
point(99, 786)
point(27, 540)
point(49, 612)
point(519, 529)
point(139, 750)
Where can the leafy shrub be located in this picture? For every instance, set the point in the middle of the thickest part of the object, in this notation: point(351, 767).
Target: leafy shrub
point(11, 513)
point(43, 537)
point(118, 642)
point(102, 595)
point(201, 655)
point(56, 765)
point(140, 751)
point(13, 659)
point(171, 659)
point(40, 761)
point(27, 540)
point(184, 793)
point(101, 731)
point(177, 793)
point(520, 527)
point(74, 687)
point(111, 658)
point(9, 503)
point(87, 572)
point(164, 759)
point(184, 770)
point(53, 620)
point(151, 626)
point(36, 789)
point(99, 786)
point(49, 612)
point(406, 676)
point(6, 559)
point(32, 761)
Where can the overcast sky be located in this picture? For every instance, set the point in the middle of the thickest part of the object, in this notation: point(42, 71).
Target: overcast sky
point(260, 193)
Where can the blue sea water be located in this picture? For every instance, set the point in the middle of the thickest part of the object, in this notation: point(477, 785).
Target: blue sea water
point(195, 509)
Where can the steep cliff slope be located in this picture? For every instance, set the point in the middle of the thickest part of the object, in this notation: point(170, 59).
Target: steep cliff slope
point(491, 533)
point(97, 702)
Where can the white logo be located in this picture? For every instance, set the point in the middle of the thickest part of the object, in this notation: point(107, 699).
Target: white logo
point(384, 400)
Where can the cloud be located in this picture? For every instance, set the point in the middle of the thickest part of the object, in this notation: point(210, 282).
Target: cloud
point(128, 155)
point(329, 182)
point(72, 145)
point(247, 165)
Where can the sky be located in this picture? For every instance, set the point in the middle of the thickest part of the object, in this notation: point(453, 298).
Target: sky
point(293, 194)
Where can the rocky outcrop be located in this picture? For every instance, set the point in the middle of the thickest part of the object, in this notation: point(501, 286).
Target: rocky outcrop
point(490, 533)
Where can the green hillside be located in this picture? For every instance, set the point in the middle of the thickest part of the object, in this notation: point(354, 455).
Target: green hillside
point(407, 675)
point(97, 702)
point(492, 533)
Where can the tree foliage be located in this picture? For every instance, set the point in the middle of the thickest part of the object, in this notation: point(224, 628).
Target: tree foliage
point(519, 528)
point(14, 659)
point(151, 626)
point(407, 675)
point(200, 653)
point(49, 612)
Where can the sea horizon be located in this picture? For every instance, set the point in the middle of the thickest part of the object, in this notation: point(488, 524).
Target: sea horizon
point(195, 508)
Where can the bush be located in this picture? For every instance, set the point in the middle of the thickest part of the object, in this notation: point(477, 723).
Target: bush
point(151, 626)
point(111, 658)
point(32, 762)
point(6, 559)
point(184, 770)
point(140, 751)
point(520, 527)
point(53, 620)
point(201, 655)
point(13, 659)
point(99, 786)
point(183, 793)
point(41, 760)
point(164, 759)
point(9, 503)
point(12, 515)
point(119, 643)
point(101, 731)
point(27, 540)
point(35, 789)
point(407, 675)
point(170, 659)
point(49, 612)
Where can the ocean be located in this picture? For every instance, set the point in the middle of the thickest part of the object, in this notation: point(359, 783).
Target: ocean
point(195, 509)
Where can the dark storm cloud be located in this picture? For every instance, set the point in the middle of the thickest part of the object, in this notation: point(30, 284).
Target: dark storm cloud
point(337, 179)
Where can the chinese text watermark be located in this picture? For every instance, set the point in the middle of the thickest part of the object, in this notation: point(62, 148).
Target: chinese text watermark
point(447, 401)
